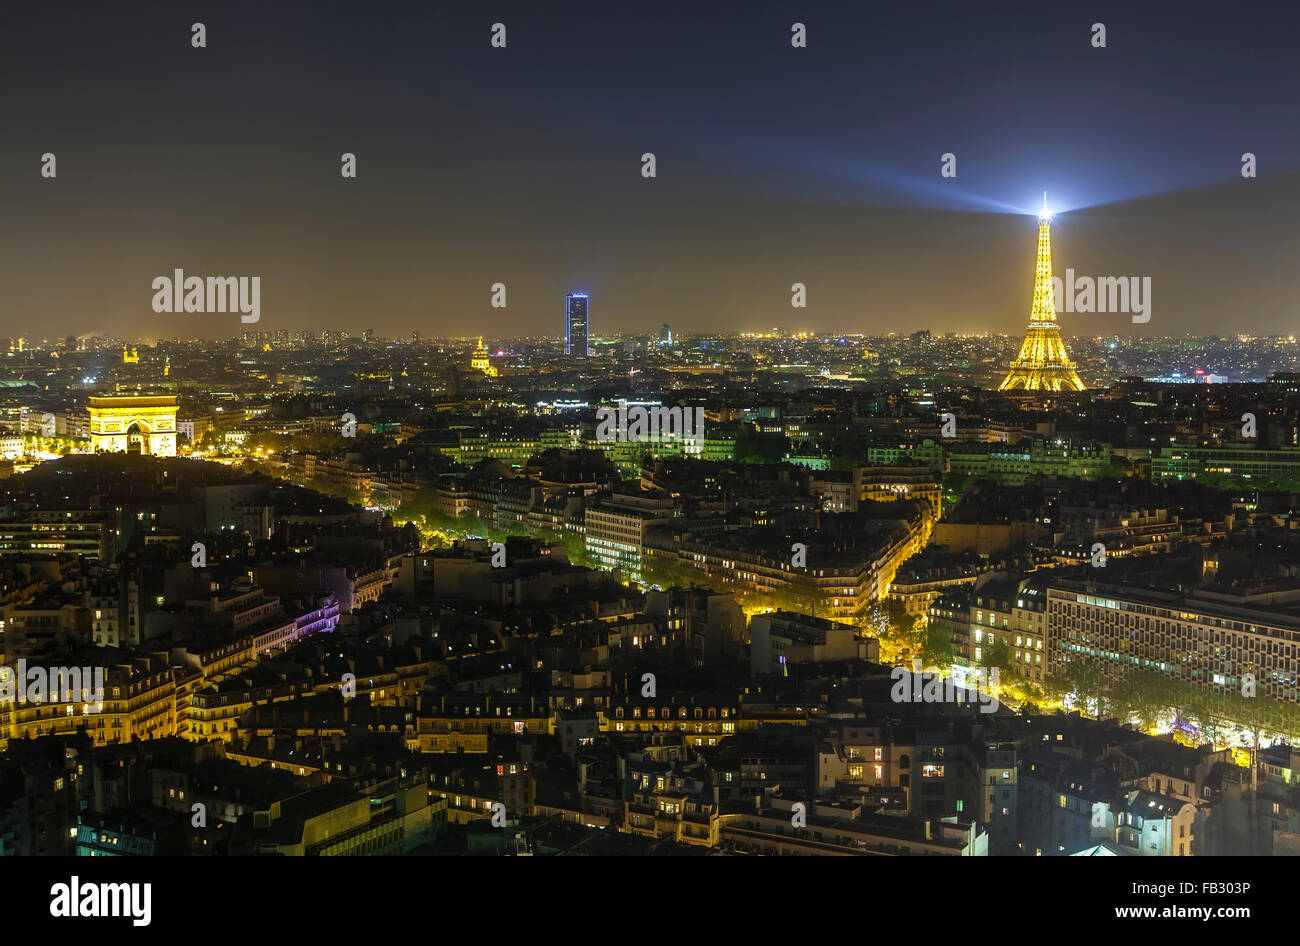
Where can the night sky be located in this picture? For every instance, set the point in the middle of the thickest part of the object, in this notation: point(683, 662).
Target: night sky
point(522, 165)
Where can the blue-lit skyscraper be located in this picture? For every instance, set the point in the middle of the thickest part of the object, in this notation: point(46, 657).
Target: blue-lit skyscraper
point(575, 338)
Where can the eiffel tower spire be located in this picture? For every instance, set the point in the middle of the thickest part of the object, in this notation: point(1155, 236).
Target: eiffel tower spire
point(1042, 364)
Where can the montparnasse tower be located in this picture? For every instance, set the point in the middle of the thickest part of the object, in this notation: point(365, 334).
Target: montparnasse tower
point(1042, 364)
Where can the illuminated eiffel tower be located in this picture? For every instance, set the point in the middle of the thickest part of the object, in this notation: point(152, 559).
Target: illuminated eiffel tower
point(1042, 364)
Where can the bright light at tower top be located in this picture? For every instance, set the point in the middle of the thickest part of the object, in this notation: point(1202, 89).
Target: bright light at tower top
point(1044, 214)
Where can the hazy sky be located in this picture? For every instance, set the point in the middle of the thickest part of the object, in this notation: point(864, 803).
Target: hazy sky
point(522, 165)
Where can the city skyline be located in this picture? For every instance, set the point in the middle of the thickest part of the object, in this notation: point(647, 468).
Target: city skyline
point(642, 432)
point(865, 362)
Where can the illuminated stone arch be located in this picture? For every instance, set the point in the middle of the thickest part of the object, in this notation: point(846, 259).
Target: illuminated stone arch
point(148, 420)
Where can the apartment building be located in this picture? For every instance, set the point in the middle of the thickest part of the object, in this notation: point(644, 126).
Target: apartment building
point(1206, 638)
point(617, 527)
